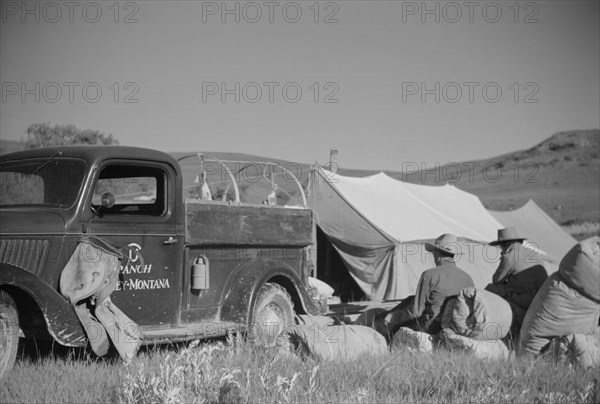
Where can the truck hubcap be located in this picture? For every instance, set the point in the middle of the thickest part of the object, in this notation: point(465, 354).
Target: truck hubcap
point(271, 318)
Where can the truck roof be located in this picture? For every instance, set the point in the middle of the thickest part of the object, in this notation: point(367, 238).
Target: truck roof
point(93, 154)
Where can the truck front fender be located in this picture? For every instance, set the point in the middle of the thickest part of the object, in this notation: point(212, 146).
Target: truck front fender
point(242, 289)
point(59, 316)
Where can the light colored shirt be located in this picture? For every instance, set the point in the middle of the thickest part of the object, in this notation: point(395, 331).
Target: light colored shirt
point(435, 287)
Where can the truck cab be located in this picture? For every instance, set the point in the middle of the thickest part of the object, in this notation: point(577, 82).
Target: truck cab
point(196, 267)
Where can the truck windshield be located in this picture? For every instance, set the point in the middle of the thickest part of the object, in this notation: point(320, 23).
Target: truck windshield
point(44, 182)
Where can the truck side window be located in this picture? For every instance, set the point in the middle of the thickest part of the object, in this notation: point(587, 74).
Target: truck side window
point(138, 190)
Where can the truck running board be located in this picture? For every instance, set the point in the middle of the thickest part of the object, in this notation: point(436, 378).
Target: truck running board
point(208, 329)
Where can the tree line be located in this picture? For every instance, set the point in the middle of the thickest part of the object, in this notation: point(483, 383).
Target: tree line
point(44, 135)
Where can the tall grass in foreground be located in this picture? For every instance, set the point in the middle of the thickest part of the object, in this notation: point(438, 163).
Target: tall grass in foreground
point(235, 372)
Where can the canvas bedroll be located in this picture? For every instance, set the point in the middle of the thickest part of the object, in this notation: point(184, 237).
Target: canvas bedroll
point(478, 314)
point(567, 303)
point(336, 342)
point(91, 276)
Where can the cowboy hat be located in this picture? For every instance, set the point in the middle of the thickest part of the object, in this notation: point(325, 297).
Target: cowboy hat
point(446, 243)
point(507, 235)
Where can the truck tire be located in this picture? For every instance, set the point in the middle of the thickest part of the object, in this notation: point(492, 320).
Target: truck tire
point(273, 313)
point(9, 332)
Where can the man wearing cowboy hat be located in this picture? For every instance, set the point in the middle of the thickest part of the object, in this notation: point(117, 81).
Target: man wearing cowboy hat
point(520, 273)
point(435, 287)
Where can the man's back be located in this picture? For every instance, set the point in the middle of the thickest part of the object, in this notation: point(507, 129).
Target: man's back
point(435, 287)
point(446, 280)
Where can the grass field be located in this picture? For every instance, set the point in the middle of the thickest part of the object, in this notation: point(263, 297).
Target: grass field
point(231, 372)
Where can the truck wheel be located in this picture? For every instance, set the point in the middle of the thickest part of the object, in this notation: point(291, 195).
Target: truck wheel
point(9, 332)
point(273, 312)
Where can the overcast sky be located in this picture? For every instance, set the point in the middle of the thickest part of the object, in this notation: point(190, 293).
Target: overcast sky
point(383, 82)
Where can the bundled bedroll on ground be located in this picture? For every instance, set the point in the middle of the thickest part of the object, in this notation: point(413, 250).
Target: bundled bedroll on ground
point(323, 340)
point(321, 322)
point(478, 314)
point(490, 349)
point(414, 341)
point(475, 322)
point(373, 318)
point(567, 303)
point(578, 349)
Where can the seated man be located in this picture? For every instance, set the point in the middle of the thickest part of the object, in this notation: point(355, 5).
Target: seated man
point(519, 275)
point(436, 286)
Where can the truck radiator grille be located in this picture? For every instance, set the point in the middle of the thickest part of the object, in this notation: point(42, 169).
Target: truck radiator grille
point(27, 254)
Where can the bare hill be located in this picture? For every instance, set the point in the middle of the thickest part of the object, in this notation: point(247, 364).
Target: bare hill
point(561, 174)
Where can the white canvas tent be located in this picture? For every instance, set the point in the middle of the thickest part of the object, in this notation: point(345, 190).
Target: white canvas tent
point(379, 225)
point(539, 228)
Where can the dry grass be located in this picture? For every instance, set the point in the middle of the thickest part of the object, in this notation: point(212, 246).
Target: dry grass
point(233, 371)
point(582, 230)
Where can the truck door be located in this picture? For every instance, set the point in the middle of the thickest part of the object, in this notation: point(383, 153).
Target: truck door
point(143, 217)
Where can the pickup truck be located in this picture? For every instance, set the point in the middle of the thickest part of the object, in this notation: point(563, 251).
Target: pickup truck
point(197, 267)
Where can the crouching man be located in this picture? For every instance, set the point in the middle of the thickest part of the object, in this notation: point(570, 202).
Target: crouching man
point(519, 275)
point(436, 286)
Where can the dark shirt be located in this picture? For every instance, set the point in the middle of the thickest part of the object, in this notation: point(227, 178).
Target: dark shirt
point(519, 275)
